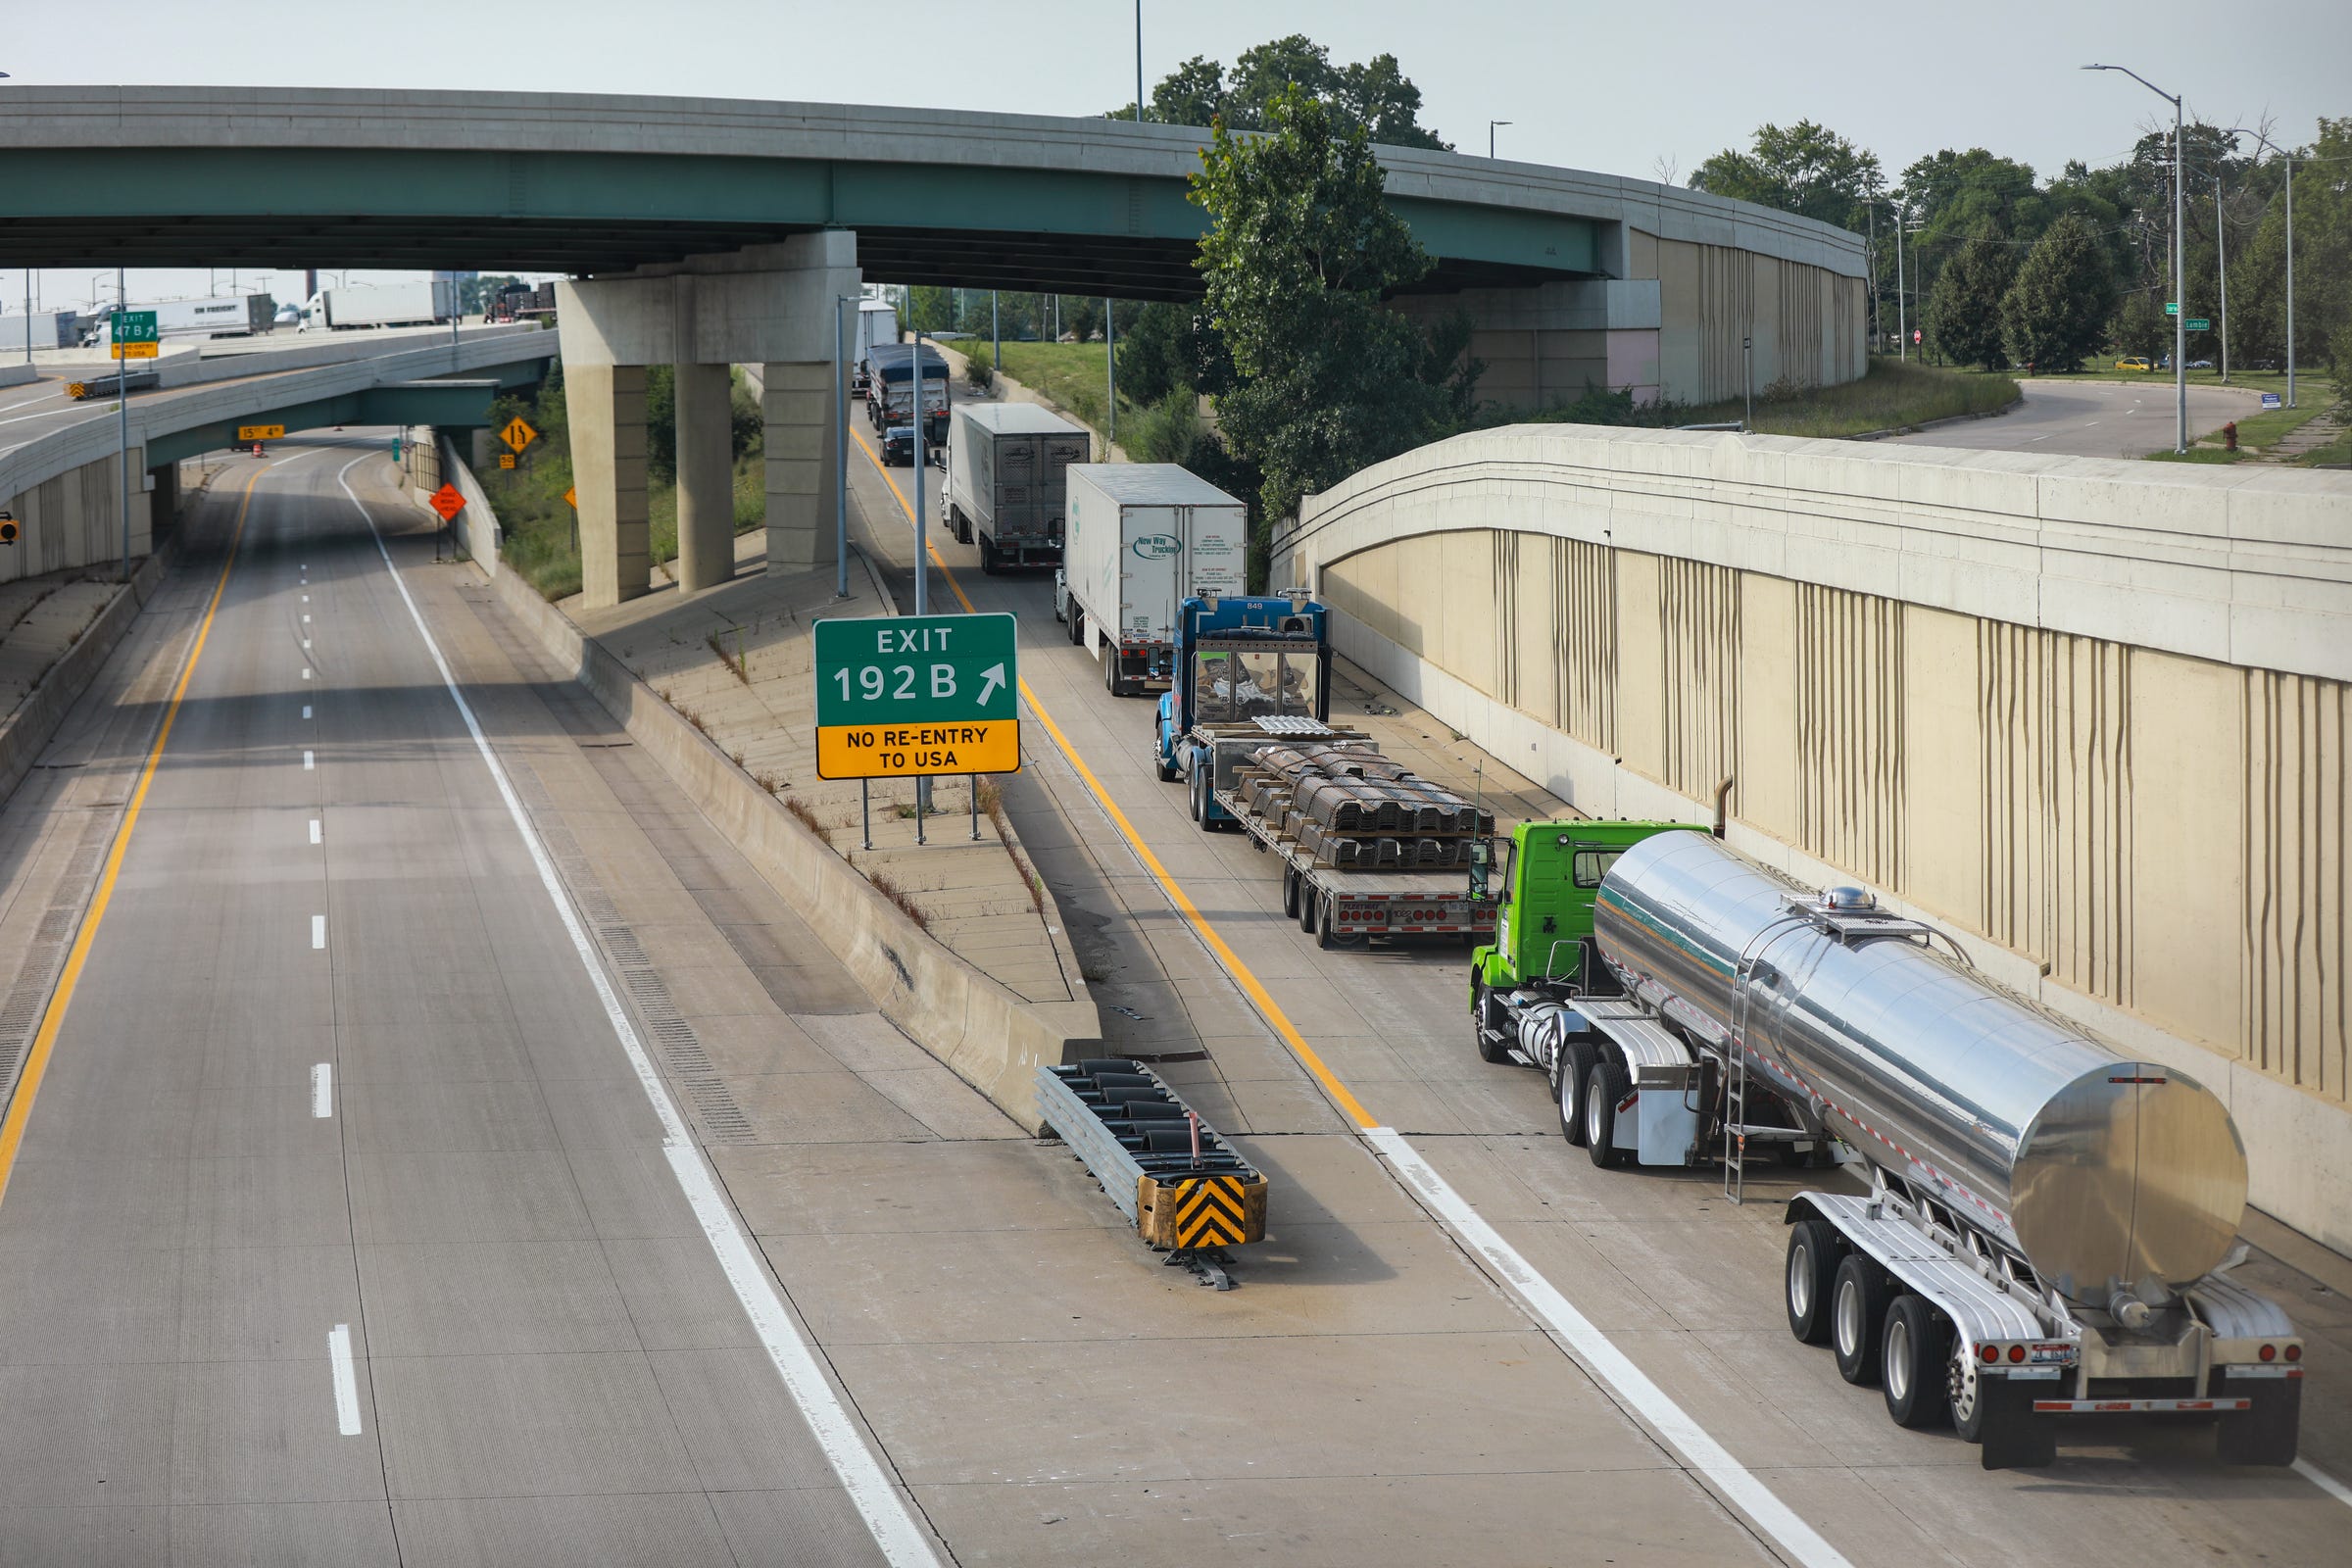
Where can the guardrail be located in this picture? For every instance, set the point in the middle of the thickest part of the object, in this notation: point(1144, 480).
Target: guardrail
point(1180, 1185)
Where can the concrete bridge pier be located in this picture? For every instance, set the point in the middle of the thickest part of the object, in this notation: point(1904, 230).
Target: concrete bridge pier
point(769, 304)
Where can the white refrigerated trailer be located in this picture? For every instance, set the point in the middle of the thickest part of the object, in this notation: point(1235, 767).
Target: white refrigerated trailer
point(1141, 538)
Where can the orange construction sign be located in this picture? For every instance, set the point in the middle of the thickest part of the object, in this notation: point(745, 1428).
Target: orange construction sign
point(447, 502)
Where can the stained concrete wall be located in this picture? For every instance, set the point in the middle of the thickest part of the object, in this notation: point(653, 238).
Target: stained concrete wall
point(75, 518)
point(2090, 714)
point(1672, 326)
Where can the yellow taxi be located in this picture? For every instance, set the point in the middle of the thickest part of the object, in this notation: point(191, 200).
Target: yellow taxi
point(2135, 361)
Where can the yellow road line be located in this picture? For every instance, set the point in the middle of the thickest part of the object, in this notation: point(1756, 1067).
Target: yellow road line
point(36, 1062)
point(1340, 1093)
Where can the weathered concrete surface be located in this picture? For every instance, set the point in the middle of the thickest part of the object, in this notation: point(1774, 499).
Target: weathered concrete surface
point(1995, 686)
point(706, 476)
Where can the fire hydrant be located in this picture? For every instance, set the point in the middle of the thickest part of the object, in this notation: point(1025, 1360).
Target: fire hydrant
point(2230, 436)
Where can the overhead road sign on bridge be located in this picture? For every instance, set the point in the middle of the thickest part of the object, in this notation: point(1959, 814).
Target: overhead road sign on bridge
point(260, 432)
point(905, 696)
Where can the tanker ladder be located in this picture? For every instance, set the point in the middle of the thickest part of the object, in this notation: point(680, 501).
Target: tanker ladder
point(1181, 1186)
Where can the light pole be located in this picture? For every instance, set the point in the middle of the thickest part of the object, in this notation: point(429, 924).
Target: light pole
point(2289, 159)
point(122, 418)
point(1491, 124)
point(1902, 319)
point(2220, 266)
point(2180, 263)
point(1139, 62)
point(841, 460)
point(922, 531)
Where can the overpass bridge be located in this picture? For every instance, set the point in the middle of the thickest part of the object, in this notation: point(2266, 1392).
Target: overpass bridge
point(708, 233)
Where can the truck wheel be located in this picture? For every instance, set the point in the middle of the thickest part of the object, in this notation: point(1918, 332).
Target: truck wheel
point(1110, 670)
point(1308, 898)
point(1813, 1252)
point(1569, 1072)
point(1325, 937)
point(1492, 1049)
point(1290, 899)
point(1604, 1086)
point(1167, 769)
point(1198, 795)
point(1858, 1318)
point(2265, 1434)
point(1077, 622)
point(989, 559)
point(1916, 1345)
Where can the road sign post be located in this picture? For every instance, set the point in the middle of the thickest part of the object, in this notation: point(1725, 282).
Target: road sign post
point(917, 696)
point(448, 503)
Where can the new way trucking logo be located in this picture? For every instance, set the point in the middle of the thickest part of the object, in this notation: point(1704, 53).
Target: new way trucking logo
point(1157, 546)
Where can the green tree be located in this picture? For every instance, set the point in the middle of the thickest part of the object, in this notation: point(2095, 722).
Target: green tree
point(930, 308)
point(1806, 169)
point(1375, 94)
point(2139, 325)
point(1301, 251)
point(2057, 310)
point(1964, 312)
point(1169, 347)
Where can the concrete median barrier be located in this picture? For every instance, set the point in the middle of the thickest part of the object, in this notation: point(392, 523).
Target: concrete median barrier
point(991, 1037)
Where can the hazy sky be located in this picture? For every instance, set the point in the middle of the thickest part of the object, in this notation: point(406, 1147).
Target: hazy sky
point(1623, 88)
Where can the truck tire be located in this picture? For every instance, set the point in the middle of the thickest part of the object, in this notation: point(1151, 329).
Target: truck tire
point(1569, 1075)
point(1813, 1252)
point(1492, 1049)
point(1858, 1318)
point(1913, 1354)
point(1196, 793)
point(1308, 898)
point(1167, 769)
point(989, 559)
point(1289, 893)
point(1325, 937)
point(1604, 1086)
point(1110, 670)
point(2265, 1434)
point(1077, 622)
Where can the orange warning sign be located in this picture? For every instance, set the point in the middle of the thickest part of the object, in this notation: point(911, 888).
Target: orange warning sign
point(447, 502)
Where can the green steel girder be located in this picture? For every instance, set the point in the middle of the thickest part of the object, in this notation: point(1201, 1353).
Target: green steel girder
point(587, 213)
point(449, 405)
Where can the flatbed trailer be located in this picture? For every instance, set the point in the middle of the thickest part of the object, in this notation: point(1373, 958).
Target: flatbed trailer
point(1344, 906)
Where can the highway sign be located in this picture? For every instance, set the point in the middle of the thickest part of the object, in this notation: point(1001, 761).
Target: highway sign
point(8, 527)
point(2199, 323)
point(2172, 307)
point(447, 502)
point(572, 496)
point(133, 327)
point(505, 460)
point(517, 435)
point(897, 695)
point(260, 432)
point(2270, 400)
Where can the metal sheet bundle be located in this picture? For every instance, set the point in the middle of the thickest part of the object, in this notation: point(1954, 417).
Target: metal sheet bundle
point(1349, 806)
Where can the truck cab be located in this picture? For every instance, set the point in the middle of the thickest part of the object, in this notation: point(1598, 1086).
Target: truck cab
point(1546, 876)
point(1241, 666)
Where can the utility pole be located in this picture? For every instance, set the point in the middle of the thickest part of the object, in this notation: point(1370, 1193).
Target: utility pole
point(996, 333)
point(114, 334)
point(1139, 62)
point(1902, 319)
point(2179, 256)
point(2220, 265)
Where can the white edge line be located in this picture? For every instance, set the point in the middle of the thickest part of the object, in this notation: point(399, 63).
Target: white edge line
point(347, 1383)
point(318, 931)
point(895, 1530)
point(322, 1091)
point(306, 710)
point(313, 830)
point(2323, 1481)
point(1731, 1480)
point(307, 762)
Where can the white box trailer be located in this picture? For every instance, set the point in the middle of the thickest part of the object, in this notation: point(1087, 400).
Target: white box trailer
point(49, 330)
point(226, 315)
point(877, 322)
point(419, 304)
point(1007, 481)
point(1141, 538)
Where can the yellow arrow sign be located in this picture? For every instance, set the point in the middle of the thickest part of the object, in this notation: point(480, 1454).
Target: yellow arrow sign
point(260, 432)
point(518, 434)
point(571, 497)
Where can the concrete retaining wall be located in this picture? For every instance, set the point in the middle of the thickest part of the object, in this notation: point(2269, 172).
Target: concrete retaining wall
point(27, 733)
point(2089, 715)
point(989, 1037)
point(476, 527)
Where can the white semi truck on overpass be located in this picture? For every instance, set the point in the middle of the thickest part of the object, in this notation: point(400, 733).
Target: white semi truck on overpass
point(424, 303)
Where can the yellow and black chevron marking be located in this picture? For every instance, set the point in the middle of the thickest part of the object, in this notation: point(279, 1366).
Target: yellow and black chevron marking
point(1212, 1213)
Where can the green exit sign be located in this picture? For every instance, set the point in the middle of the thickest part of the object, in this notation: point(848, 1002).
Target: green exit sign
point(135, 327)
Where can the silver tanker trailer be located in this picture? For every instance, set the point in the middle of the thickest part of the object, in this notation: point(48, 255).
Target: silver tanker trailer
point(2050, 1226)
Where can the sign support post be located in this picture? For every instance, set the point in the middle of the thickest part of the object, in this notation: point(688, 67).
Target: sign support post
point(121, 413)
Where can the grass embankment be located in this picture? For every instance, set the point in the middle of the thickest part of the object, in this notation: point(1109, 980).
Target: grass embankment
point(2336, 454)
point(2256, 434)
point(1892, 396)
point(1072, 374)
point(540, 537)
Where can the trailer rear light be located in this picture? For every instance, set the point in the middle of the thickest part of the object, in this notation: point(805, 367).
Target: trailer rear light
point(1992, 1353)
point(2294, 1352)
point(2269, 1353)
point(2017, 1352)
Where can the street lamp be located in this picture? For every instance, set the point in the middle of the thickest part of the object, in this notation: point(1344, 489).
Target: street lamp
point(2240, 131)
point(2180, 266)
point(1491, 124)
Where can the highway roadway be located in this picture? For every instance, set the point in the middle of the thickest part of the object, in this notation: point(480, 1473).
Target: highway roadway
point(1669, 1274)
point(446, 1149)
point(2093, 418)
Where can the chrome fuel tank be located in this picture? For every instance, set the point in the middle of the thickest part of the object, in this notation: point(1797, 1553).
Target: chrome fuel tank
point(2103, 1171)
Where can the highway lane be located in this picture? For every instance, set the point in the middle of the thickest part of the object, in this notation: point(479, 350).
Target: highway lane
point(2093, 418)
point(1682, 1282)
point(341, 1227)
